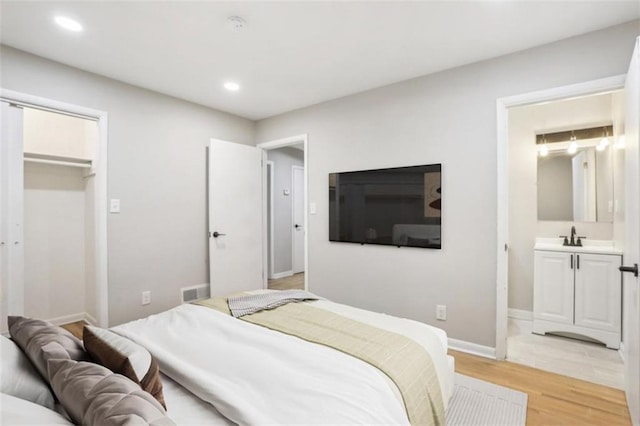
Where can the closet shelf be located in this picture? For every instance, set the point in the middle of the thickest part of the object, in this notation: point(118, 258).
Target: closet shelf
point(57, 160)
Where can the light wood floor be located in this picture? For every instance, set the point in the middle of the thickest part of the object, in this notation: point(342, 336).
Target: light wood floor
point(294, 282)
point(75, 328)
point(553, 399)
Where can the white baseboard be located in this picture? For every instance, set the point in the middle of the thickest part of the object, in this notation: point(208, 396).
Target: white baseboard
point(472, 348)
point(90, 319)
point(279, 275)
point(66, 319)
point(520, 314)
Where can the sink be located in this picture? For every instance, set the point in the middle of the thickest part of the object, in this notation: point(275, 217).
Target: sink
point(588, 246)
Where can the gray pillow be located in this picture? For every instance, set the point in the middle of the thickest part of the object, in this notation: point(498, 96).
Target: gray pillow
point(31, 335)
point(93, 395)
point(19, 378)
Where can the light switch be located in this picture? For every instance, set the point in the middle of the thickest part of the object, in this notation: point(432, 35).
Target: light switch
point(312, 207)
point(114, 206)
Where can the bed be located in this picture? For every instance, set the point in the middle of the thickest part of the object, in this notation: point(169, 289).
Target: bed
point(214, 369)
point(218, 370)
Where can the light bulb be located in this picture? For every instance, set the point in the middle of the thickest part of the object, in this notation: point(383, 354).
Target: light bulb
point(604, 142)
point(573, 148)
point(68, 23)
point(544, 150)
point(232, 86)
point(601, 146)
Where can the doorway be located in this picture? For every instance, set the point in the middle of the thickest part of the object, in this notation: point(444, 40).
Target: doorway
point(564, 169)
point(285, 212)
point(53, 210)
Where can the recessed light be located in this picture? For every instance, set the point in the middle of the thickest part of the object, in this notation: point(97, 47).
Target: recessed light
point(68, 23)
point(232, 86)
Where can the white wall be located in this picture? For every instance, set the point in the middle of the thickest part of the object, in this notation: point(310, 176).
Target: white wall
point(618, 170)
point(283, 159)
point(54, 241)
point(57, 134)
point(524, 226)
point(157, 168)
point(448, 118)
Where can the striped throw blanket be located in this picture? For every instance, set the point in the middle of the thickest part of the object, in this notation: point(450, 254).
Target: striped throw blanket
point(250, 304)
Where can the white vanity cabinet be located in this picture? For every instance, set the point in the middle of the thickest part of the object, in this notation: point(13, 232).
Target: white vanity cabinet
point(578, 292)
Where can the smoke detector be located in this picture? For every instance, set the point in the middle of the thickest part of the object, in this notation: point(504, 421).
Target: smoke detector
point(236, 23)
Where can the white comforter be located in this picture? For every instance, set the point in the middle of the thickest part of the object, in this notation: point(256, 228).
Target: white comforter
point(254, 375)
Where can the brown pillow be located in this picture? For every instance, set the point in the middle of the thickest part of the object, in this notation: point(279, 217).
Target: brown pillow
point(125, 357)
point(93, 395)
point(31, 335)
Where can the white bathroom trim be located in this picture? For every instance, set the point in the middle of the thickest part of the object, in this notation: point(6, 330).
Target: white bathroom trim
point(502, 106)
point(520, 314)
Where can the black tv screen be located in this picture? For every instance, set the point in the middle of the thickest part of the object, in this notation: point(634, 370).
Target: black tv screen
point(399, 206)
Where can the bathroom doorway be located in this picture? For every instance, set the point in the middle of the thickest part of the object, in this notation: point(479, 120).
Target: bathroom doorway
point(565, 172)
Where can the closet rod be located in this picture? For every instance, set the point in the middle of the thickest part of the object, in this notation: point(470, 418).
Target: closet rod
point(58, 163)
point(42, 108)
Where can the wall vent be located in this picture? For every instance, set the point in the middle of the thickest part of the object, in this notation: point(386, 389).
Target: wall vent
point(196, 292)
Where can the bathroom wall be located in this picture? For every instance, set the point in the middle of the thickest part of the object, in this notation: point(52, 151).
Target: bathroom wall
point(524, 226)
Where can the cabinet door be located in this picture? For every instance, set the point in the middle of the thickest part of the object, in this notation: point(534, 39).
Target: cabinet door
point(598, 291)
point(553, 286)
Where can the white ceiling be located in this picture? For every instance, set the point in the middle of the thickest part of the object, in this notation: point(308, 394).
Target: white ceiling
point(291, 54)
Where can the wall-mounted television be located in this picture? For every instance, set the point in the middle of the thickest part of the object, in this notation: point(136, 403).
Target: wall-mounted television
point(399, 206)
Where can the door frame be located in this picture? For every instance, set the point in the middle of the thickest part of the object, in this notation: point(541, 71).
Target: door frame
point(293, 213)
point(100, 168)
point(275, 144)
point(272, 262)
point(502, 106)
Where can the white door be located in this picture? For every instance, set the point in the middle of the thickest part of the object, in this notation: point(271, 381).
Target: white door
point(235, 217)
point(553, 286)
point(12, 186)
point(631, 284)
point(598, 292)
point(299, 225)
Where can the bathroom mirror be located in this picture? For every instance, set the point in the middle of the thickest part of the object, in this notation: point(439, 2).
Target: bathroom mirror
point(576, 187)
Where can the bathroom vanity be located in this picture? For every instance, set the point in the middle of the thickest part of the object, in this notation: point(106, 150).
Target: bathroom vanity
point(578, 289)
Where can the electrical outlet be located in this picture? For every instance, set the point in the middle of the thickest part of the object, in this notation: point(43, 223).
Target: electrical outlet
point(146, 297)
point(114, 205)
point(441, 312)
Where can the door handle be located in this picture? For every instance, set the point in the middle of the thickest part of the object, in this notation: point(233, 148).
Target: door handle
point(577, 261)
point(633, 269)
point(296, 226)
point(571, 261)
point(216, 234)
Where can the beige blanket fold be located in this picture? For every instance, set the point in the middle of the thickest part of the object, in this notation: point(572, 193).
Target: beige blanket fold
point(406, 363)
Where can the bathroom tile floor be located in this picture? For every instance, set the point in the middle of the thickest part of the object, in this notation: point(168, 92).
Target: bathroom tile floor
point(592, 362)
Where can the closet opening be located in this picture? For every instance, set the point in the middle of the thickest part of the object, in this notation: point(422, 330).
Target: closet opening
point(59, 236)
point(53, 217)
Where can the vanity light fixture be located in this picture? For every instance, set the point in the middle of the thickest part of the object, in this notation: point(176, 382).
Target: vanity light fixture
point(68, 23)
point(605, 140)
point(573, 146)
point(544, 149)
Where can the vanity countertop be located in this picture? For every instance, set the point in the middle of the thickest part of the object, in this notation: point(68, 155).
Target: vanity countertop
point(589, 246)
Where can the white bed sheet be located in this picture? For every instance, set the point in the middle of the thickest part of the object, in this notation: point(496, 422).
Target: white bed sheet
point(185, 408)
point(214, 357)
